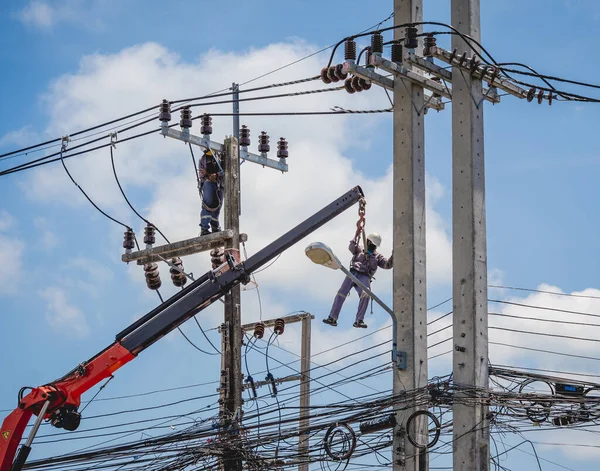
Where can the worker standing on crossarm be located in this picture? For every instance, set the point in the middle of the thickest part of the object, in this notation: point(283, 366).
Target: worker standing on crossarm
point(212, 185)
point(363, 266)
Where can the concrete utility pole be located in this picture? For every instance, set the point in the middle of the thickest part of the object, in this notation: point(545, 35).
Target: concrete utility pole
point(470, 330)
point(303, 440)
point(410, 289)
point(304, 378)
point(232, 355)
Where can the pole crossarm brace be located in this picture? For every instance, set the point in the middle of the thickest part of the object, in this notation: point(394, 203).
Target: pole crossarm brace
point(428, 66)
point(485, 73)
point(206, 143)
point(286, 379)
point(181, 248)
point(388, 84)
point(271, 322)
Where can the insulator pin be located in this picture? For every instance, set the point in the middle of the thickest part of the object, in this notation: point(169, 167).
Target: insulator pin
point(348, 86)
point(206, 125)
point(259, 330)
point(339, 72)
point(324, 75)
point(356, 83)
point(377, 43)
point(410, 38)
point(152, 276)
point(177, 277)
point(279, 326)
point(350, 50)
point(217, 257)
point(332, 75)
point(429, 45)
point(397, 53)
point(186, 118)
point(282, 148)
point(165, 111)
point(244, 136)
point(149, 237)
point(368, 54)
point(263, 143)
point(128, 240)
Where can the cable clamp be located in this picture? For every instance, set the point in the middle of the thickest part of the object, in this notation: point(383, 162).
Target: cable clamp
point(113, 139)
point(64, 143)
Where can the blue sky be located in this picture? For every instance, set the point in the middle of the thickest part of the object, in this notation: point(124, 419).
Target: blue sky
point(64, 292)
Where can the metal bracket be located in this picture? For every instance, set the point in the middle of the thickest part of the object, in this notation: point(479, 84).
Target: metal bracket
point(401, 360)
point(388, 84)
point(400, 71)
point(489, 94)
point(204, 143)
point(482, 71)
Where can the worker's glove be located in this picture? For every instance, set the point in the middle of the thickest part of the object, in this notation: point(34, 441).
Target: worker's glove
point(213, 177)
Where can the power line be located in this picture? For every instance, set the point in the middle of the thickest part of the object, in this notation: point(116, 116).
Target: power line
point(544, 291)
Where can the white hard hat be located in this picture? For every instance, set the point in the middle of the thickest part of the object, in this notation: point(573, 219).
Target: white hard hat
point(375, 238)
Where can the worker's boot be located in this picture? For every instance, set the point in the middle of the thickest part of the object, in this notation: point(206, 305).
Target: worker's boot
point(360, 324)
point(330, 321)
point(204, 232)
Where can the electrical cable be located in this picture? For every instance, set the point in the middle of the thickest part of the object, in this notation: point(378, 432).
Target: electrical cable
point(539, 319)
point(206, 337)
point(545, 292)
point(87, 197)
point(193, 344)
point(137, 113)
point(112, 161)
point(49, 158)
point(532, 306)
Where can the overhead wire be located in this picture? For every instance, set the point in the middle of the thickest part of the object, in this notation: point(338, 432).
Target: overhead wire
point(87, 196)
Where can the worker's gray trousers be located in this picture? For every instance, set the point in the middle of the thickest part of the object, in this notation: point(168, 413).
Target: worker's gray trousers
point(342, 294)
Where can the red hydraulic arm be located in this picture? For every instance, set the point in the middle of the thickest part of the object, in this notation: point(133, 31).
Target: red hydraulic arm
point(63, 395)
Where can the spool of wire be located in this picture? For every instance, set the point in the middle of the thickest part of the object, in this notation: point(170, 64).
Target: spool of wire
point(339, 441)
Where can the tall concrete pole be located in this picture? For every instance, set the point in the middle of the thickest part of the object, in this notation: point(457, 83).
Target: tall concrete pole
point(469, 258)
point(410, 289)
point(303, 443)
point(233, 343)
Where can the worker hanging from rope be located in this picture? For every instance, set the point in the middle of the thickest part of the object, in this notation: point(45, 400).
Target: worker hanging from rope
point(363, 266)
point(212, 185)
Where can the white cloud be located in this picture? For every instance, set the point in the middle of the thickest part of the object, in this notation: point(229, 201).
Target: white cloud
point(63, 316)
point(47, 238)
point(321, 154)
point(43, 15)
point(19, 137)
point(38, 13)
point(11, 252)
